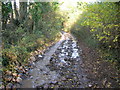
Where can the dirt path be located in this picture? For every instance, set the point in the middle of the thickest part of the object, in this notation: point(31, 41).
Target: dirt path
point(60, 67)
point(100, 71)
point(37, 74)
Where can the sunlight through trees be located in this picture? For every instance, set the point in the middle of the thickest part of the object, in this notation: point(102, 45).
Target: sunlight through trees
point(29, 28)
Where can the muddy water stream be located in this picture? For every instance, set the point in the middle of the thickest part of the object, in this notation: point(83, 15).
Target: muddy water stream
point(60, 67)
point(38, 76)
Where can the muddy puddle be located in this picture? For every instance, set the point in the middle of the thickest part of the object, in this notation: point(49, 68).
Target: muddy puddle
point(60, 67)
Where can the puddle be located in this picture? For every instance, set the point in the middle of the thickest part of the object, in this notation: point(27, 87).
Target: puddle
point(41, 65)
point(60, 67)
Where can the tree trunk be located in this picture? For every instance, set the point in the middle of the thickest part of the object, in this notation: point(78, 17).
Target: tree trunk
point(16, 11)
point(12, 17)
point(0, 16)
point(23, 11)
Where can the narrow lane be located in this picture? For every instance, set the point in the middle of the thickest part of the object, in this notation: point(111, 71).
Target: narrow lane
point(41, 68)
point(67, 62)
point(60, 67)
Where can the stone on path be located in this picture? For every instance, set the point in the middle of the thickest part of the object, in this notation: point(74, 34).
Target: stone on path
point(60, 67)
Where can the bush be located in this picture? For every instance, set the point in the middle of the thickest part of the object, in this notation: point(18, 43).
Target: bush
point(15, 53)
point(99, 27)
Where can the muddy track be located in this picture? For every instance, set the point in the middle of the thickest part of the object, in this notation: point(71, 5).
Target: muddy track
point(60, 67)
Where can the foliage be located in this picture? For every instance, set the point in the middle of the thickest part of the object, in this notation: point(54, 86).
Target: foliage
point(15, 53)
point(12, 37)
point(6, 9)
point(19, 43)
point(101, 20)
point(98, 26)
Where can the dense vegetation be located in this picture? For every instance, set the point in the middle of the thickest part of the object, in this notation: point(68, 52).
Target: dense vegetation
point(37, 30)
point(36, 26)
point(99, 27)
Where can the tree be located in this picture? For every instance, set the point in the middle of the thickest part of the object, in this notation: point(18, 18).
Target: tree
point(23, 11)
point(16, 11)
point(6, 9)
